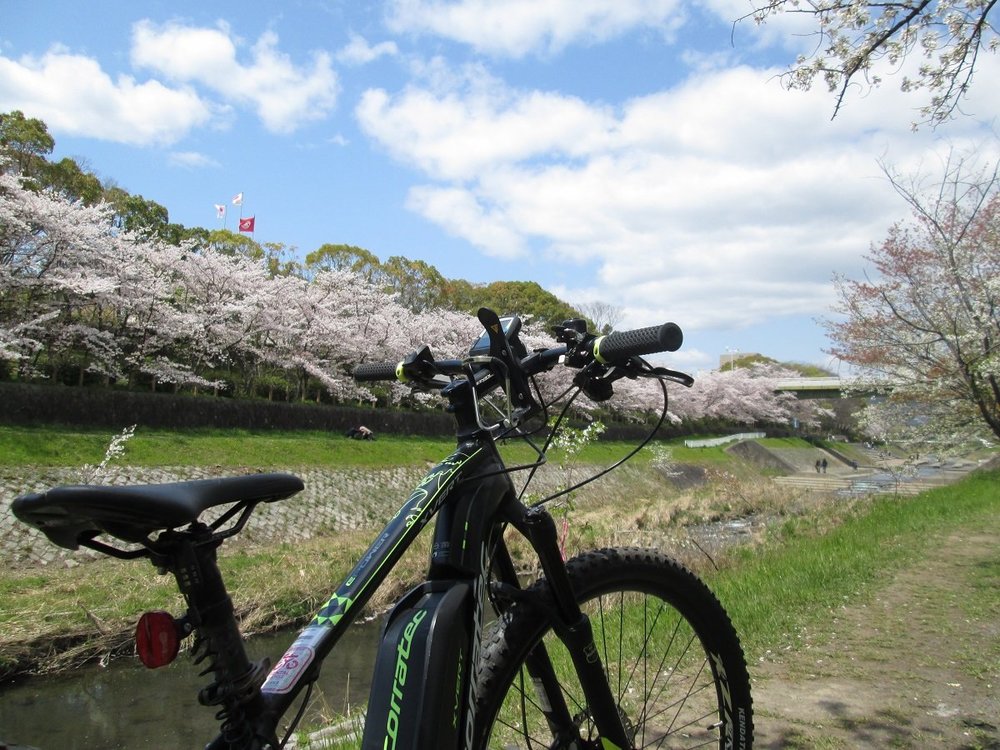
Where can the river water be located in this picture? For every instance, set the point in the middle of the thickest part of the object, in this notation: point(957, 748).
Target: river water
point(125, 706)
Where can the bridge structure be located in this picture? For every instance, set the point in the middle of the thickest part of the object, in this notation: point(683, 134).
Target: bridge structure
point(824, 387)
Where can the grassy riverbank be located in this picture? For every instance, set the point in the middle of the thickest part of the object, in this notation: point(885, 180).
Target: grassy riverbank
point(271, 449)
point(816, 563)
point(55, 616)
point(819, 556)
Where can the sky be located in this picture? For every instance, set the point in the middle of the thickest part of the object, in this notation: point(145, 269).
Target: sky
point(639, 153)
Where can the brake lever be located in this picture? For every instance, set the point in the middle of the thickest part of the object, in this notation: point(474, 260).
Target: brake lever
point(663, 373)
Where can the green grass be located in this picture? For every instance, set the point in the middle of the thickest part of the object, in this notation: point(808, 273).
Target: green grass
point(773, 591)
point(274, 449)
point(785, 442)
point(715, 456)
point(813, 563)
point(53, 446)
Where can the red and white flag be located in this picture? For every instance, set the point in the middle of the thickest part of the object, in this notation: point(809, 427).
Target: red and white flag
point(238, 199)
point(220, 211)
point(246, 225)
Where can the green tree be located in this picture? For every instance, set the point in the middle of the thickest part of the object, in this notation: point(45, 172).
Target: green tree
point(280, 259)
point(25, 141)
point(231, 243)
point(133, 213)
point(523, 297)
point(69, 179)
point(331, 257)
point(459, 294)
point(418, 284)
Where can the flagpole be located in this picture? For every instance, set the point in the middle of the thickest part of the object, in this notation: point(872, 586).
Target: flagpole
point(220, 214)
point(238, 201)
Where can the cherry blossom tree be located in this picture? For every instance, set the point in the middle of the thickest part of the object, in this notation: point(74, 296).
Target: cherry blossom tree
point(79, 293)
point(746, 395)
point(330, 324)
point(926, 327)
point(854, 36)
point(51, 251)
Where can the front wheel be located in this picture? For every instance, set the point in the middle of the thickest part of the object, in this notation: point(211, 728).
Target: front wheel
point(671, 655)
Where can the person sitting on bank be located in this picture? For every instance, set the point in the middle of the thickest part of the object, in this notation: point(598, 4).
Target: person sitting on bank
point(360, 433)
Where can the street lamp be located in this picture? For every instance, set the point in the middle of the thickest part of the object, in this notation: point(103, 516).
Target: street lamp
point(732, 357)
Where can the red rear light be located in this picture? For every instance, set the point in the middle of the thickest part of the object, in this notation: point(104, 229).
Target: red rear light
point(156, 639)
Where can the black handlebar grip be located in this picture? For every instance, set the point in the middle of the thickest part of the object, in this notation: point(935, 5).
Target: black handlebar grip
point(621, 345)
point(375, 371)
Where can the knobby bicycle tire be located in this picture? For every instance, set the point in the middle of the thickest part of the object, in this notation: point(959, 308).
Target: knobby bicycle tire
point(671, 654)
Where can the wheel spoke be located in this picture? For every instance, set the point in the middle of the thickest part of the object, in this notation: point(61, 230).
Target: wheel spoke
point(656, 660)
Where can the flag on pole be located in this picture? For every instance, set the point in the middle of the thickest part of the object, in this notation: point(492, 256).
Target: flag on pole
point(220, 211)
point(246, 225)
point(238, 199)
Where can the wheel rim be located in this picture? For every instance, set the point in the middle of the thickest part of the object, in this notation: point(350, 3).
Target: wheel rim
point(663, 680)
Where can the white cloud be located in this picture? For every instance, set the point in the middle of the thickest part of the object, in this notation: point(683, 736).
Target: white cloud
point(455, 135)
point(73, 95)
point(359, 52)
point(793, 32)
point(283, 94)
point(726, 198)
point(460, 214)
point(191, 160)
point(515, 28)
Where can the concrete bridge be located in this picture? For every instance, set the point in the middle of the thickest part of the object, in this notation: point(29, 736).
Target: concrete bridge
point(825, 387)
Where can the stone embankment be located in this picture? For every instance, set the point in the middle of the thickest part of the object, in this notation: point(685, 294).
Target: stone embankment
point(869, 472)
point(354, 498)
point(332, 500)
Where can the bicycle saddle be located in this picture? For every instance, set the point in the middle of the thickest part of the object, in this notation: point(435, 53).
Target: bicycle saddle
point(71, 513)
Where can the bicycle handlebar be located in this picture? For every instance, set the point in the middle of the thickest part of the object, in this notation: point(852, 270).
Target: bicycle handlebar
point(581, 349)
point(372, 371)
point(623, 345)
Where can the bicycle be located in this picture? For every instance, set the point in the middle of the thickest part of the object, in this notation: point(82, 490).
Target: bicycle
point(616, 648)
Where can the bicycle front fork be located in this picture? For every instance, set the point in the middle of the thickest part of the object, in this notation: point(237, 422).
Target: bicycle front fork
point(573, 628)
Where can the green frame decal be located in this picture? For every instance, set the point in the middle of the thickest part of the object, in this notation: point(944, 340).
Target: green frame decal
point(340, 609)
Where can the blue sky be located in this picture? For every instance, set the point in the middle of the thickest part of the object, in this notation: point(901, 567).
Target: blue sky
point(639, 153)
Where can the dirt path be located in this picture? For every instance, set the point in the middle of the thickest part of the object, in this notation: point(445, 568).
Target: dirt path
point(918, 666)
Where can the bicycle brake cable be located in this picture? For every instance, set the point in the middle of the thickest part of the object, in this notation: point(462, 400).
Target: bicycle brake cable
point(661, 375)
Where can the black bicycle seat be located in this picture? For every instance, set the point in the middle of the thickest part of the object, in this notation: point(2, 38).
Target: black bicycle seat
point(71, 513)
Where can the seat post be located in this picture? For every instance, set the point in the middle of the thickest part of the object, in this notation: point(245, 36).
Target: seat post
point(191, 555)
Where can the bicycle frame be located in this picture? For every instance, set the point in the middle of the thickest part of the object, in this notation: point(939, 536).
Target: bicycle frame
point(458, 556)
point(424, 690)
point(473, 497)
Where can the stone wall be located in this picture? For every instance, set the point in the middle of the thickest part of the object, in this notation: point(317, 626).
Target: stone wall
point(333, 500)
